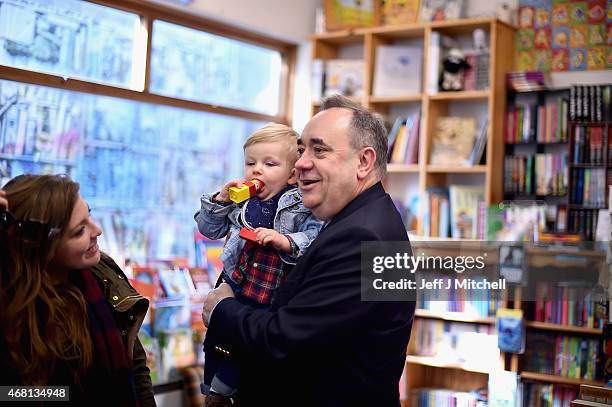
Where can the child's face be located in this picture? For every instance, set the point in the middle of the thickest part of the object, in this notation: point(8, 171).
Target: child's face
point(268, 162)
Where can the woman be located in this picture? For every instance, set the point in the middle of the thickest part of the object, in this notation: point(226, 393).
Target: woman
point(69, 317)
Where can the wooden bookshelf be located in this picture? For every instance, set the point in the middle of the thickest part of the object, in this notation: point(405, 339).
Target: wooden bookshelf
point(462, 95)
point(437, 362)
point(394, 99)
point(491, 102)
point(563, 328)
point(548, 378)
point(454, 317)
point(363, 43)
point(402, 168)
point(474, 169)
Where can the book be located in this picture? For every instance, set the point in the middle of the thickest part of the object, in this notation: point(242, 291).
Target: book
point(171, 314)
point(176, 349)
point(399, 11)
point(176, 282)
point(344, 77)
point(503, 388)
point(435, 10)
point(317, 79)
point(464, 210)
point(393, 133)
point(397, 70)
point(340, 14)
point(598, 394)
point(479, 145)
point(510, 327)
point(151, 348)
point(453, 141)
point(433, 62)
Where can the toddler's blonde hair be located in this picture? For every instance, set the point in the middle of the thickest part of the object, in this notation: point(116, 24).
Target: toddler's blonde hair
point(275, 132)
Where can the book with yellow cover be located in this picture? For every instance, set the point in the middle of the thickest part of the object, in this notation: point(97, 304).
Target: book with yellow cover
point(453, 141)
point(400, 11)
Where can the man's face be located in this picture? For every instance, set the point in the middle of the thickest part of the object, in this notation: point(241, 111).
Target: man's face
point(327, 168)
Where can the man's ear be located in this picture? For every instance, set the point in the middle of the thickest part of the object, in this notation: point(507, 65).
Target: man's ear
point(367, 162)
point(293, 177)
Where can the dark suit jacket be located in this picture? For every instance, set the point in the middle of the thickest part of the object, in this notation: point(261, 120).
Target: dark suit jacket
point(319, 344)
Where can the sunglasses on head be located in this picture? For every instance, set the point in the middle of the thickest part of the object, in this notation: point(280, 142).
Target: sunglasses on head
point(32, 230)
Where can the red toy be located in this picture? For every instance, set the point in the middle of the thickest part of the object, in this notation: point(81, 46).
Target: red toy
point(248, 234)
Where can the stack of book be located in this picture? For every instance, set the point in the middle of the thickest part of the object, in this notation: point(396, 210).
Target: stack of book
point(442, 397)
point(562, 355)
point(589, 145)
point(594, 396)
point(537, 123)
point(546, 394)
point(404, 140)
point(527, 81)
point(590, 103)
point(589, 187)
point(568, 305)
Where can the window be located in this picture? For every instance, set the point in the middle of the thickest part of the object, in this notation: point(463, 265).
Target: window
point(209, 68)
point(70, 38)
point(142, 154)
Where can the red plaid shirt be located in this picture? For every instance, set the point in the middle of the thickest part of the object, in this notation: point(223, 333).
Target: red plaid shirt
point(260, 272)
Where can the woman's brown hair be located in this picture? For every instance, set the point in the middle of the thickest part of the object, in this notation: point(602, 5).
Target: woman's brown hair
point(44, 321)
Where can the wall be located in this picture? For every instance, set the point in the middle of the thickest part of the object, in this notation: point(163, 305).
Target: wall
point(294, 21)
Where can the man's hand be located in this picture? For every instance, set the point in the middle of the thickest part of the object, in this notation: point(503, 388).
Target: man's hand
point(213, 298)
point(271, 237)
point(3, 201)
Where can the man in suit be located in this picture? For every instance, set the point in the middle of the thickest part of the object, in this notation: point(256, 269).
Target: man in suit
point(319, 344)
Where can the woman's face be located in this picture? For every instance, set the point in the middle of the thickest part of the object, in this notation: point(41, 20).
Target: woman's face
point(78, 248)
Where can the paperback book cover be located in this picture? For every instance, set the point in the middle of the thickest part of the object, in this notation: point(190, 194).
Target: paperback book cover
point(464, 210)
point(510, 330)
point(453, 141)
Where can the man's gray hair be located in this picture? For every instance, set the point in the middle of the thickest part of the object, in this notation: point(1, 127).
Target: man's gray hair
point(367, 130)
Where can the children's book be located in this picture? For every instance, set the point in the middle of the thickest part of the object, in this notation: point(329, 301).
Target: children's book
point(510, 330)
point(400, 11)
point(440, 10)
point(464, 210)
point(344, 77)
point(398, 70)
point(151, 348)
point(453, 141)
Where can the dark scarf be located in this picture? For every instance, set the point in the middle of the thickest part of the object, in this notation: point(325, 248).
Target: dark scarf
point(260, 214)
point(110, 357)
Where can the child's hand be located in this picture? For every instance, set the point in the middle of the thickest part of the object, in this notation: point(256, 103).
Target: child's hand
point(273, 238)
point(223, 195)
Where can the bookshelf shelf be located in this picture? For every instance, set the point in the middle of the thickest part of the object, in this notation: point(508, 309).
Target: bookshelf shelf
point(454, 317)
point(586, 165)
point(341, 37)
point(590, 124)
point(462, 95)
point(437, 362)
point(456, 169)
point(395, 99)
point(563, 251)
point(402, 168)
point(563, 328)
point(557, 379)
point(396, 31)
point(463, 26)
point(577, 206)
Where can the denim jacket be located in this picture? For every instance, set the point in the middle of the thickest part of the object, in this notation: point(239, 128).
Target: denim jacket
point(292, 219)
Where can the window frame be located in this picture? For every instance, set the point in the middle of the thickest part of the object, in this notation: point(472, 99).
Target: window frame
point(148, 12)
